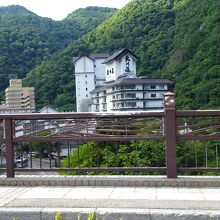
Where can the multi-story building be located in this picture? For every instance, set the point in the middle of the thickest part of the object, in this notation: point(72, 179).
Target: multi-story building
point(130, 94)
point(89, 73)
point(123, 90)
point(18, 99)
point(17, 96)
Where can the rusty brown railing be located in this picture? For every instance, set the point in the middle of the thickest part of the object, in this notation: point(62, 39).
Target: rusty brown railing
point(169, 125)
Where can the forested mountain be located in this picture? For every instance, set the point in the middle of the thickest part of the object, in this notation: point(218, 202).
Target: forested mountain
point(179, 39)
point(14, 10)
point(90, 15)
point(27, 39)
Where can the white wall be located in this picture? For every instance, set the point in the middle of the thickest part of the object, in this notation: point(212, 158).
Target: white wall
point(84, 85)
point(119, 67)
point(84, 80)
point(132, 65)
point(84, 65)
point(100, 68)
point(110, 76)
point(109, 103)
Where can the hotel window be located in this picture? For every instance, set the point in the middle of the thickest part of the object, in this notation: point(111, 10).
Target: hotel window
point(131, 104)
point(86, 89)
point(162, 87)
point(153, 87)
point(130, 95)
point(130, 87)
point(85, 76)
point(153, 95)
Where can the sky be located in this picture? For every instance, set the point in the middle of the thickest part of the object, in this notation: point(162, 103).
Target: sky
point(59, 9)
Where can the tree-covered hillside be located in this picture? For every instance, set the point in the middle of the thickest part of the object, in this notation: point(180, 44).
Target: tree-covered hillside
point(27, 39)
point(179, 39)
point(14, 10)
point(194, 62)
point(86, 17)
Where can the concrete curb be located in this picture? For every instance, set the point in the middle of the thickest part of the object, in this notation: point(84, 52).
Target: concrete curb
point(107, 214)
point(109, 181)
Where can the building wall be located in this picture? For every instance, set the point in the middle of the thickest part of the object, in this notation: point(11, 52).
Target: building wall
point(84, 81)
point(99, 102)
point(88, 75)
point(109, 100)
point(110, 71)
point(134, 97)
point(84, 65)
point(127, 64)
point(99, 72)
point(84, 85)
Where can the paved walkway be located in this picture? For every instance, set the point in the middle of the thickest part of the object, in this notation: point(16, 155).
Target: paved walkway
point(138, 201)
point(111, 197)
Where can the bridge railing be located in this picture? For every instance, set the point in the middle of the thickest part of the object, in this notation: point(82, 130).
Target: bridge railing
point(85, 136)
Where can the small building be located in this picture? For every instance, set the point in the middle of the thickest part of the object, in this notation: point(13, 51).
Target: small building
point(48, 109)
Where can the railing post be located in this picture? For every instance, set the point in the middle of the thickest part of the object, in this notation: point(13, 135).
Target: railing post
point(170, 134)
point(8, 132)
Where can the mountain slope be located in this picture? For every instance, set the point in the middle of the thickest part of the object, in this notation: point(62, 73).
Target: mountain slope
point(14, 10)
point(170, 37)
point(27, 39)
point(90, 15)
point(195, 61)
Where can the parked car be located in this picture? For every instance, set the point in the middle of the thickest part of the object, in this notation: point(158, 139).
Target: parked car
point(21, 162)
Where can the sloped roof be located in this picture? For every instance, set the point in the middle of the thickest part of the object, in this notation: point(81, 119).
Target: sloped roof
point(99, 55)
point(92, 56)
point(48, 108)
point(77, 58)
point(119, 54)
point(98, 89)
point(139, 81)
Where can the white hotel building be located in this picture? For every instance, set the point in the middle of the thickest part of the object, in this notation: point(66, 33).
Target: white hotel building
point(109, 83)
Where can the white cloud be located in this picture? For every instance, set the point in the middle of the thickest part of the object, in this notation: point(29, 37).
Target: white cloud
point(59, 9)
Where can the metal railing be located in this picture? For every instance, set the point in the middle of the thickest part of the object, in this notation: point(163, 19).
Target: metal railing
point(42, 137)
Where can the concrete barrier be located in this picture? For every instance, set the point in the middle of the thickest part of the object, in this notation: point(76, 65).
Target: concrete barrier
point(107, 214)
point(155, 181)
